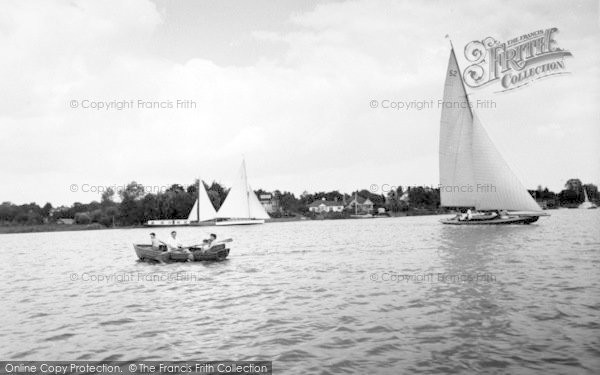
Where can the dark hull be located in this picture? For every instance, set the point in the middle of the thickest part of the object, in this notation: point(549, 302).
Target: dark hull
point(146, 253)
point(499, 221)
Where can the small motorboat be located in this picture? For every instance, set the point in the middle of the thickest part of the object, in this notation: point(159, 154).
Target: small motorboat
point(147, 253)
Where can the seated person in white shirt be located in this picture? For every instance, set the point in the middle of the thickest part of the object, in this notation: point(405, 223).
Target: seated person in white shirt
point(173, 244)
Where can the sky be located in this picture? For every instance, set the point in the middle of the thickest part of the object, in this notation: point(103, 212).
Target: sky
point(287, 85)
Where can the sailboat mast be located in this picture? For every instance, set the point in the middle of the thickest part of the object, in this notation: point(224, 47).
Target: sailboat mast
point(198, 205)
point(246, 186)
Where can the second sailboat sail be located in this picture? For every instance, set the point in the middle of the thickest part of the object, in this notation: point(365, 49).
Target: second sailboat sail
point(241, 206)
point(203, 208)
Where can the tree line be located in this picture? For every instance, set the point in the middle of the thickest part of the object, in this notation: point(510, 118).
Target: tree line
point(135, 206)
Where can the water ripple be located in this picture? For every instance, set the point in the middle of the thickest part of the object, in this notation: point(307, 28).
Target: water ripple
point(302, 294)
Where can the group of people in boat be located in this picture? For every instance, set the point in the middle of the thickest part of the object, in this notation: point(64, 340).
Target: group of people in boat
point(173, 244)
point(468, 215)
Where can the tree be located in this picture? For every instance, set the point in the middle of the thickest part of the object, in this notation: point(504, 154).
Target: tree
point(46, 210)
point(131, 212)
point(111, 213)
point(133, 191)
point(193, 189)
point(260, 192)
point(573, 184)
point(82, 218)
point(218, 194)
point(215, 199)
point(288, 201)
point(568, 197)
point(176, 188)
point(573, 193)
point(151, 207)
point(21, 218)
point(107, 198)
point(393, 201)
point(96, 216)
point(424, 197)
point(8, 212)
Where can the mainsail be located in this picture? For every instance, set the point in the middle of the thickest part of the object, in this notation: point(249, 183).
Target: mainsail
point(472, 171)
point(205, 210)
point(241, 202)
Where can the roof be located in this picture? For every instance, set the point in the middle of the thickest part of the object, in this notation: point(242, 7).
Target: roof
point(325, 203)
point(361, 200)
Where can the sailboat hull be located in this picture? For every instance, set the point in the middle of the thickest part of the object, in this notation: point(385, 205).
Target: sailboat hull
point(240, 222)
point(498, 221)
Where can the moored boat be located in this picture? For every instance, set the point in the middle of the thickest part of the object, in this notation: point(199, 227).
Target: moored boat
point(240, 222)
point(147, 253)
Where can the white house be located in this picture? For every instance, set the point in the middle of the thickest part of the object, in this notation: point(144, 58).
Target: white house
point(326, 206)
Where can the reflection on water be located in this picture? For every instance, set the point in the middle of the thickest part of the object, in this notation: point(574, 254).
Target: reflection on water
point(377, 296)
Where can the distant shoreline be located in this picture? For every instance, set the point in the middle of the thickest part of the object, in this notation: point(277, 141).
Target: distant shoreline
point(38, 228)
point(41, 228)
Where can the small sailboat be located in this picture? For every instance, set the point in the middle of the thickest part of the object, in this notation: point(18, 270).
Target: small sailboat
point(241, 206)
point(203, 209)
point(473, 173)
point(586, 203)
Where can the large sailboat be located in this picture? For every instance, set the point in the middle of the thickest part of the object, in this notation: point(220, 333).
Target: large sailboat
point(473, 174)
point(203, 209)
point(241, 206)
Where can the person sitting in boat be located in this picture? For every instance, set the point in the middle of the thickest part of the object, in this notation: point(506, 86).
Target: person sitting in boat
point(173, 244)
point(209, 242)
point(503, 214)
point(156, 243)
point(464, 216)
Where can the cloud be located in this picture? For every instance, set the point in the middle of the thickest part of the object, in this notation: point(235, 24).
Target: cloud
point(298, 112)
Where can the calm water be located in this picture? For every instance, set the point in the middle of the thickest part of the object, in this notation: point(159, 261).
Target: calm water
point(310, 297)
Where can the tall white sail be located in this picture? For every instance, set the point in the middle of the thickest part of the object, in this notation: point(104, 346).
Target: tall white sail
point(456, 137)
point(241, 202)
point(206, 211)
point(472, 171)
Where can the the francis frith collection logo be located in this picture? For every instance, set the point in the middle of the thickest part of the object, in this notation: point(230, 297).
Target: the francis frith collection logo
point(516, 62)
